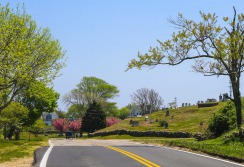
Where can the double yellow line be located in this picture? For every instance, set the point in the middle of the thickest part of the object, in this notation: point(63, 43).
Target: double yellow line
point(134, 156)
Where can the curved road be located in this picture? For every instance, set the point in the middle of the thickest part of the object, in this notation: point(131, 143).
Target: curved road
point(120, 153)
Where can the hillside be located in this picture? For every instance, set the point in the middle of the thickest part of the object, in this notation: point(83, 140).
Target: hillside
point(185, 119)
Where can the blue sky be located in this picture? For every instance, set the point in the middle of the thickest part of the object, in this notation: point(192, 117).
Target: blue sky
point(102, 36)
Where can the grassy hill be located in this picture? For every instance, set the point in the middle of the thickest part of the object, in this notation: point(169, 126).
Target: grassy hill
point(186, 119)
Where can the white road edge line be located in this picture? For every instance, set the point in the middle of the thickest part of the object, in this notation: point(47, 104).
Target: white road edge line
point(204, 156)
point(45, 157)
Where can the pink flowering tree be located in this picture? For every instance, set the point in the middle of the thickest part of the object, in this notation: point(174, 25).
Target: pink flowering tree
point(60, 125)
point(111, 121)
point(75, 125)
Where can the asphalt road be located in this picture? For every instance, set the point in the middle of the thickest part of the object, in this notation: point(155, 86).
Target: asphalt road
point(120, 153)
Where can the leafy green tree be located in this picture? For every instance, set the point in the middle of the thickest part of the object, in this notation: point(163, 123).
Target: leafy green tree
point(217, 50)
point(38, 98)
point(94, 118)
point(28, 53)
point(124, 112)
point(93, 88)
point(110, 109)
point(76, 110)
point(37, 128)
point(11, 119)
point(61, 114)
point(90, 89)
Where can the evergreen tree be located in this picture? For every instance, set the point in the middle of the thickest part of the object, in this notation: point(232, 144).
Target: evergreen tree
point(94, 118)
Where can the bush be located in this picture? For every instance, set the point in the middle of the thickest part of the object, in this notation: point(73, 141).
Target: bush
point(111, 121)
point(219, 123)
point(223, 120)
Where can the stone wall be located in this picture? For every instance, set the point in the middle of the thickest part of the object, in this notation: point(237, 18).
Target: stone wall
point(143, 134)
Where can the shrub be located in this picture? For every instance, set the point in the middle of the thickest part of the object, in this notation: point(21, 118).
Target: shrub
point(111, 121)
point(124, 113)
point(223, 120)
point(219, 123)
point(37, 128)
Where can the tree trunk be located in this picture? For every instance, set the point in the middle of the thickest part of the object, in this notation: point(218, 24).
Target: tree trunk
point(17, 134)
point(238, 106)
point(11, 132)
point(5, 131)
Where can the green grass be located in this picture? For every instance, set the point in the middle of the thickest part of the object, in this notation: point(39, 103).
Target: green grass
point(186, 119)
point(12, 149)
point(233, 150)
point(223, 146)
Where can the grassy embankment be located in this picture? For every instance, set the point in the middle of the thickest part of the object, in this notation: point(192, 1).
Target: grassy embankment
point(223, 146)
point(14, 149)
point(185, 119)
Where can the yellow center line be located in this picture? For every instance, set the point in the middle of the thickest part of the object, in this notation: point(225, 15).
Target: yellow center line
point(134, 156)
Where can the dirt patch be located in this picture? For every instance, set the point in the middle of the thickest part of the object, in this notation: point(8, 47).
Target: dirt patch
point(23, 162)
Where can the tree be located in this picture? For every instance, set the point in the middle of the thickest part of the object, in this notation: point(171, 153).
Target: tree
point(27, 54)
point(11, 119)
point(38, 98)
point(75, 125)
point(110, 109)
point(76, 110)
point(60, 113)
point(94, 118)
point(218, 50)
point(124, 112)
point(148, 100)
point(90, 89)
point(37, 128)
point(61, 125)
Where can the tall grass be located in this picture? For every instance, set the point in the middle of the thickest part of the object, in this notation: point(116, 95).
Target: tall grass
point(12, 149)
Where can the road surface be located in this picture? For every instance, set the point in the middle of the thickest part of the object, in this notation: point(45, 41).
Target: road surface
point(119, 153)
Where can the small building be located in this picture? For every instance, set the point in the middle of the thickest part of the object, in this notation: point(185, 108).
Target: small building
point(49, 117)
point(135, 113)
point(135, 110)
